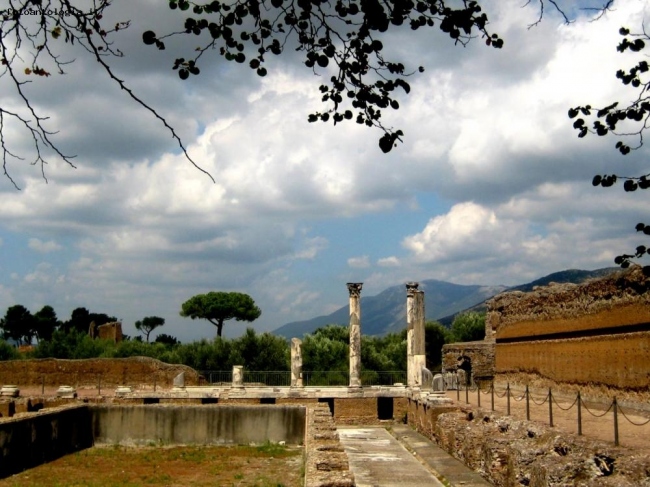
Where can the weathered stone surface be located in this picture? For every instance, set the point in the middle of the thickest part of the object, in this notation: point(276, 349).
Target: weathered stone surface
point(66, 392)
point(123, 391)
point(354, 288)
point(110, 331)
point(451, 381)
point(411, 289)
point(296, 362)
point(479, 355)
point(438, 383)
point(326, 464)
point(86, 372)
point(238, 376)
point(179, 381)
point(10, 391)
point(562, 332)
point(510, 452)
point(616, 300)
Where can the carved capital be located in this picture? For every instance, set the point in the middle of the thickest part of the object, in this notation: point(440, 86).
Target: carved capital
point(411, 288)
point(354, 288)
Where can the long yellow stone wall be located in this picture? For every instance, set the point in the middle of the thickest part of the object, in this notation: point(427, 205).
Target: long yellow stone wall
point(594, 333)
point(620, 299)
point(621, 361)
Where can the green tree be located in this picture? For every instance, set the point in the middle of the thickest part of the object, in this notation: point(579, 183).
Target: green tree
point(81, 318)
point(18, 324)
point(468, 327)
point(149, 324)
point(326, 349)
point(79, 321)
point(8, 352)
point(166, 339)
point(261, 352)
point(45, 323)
point(71, 344)
point(435, 336)
point(217, 307)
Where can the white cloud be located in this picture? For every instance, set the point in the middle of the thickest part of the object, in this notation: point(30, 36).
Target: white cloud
point(312, 246)
point(360, 262)
point(486, 133)
point(391, 261)
point(43, 247)
point(467, 231)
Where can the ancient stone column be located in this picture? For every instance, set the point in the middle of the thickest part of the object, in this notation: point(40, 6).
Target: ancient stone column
point(355, 333)
point(411, 289)
point(238, 376)
point(296, 362)
point(419, 341)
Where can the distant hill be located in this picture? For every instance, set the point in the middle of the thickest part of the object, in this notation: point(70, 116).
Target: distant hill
point(386, 312)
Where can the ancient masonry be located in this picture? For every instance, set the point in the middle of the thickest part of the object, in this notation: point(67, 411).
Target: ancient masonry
point(563, 332)
point(415, 340)
point(354, 288)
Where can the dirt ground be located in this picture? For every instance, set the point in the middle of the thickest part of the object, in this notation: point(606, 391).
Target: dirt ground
point(601, 427)
point(177, 466)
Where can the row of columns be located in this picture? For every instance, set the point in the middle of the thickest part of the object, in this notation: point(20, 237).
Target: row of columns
point(415, 345)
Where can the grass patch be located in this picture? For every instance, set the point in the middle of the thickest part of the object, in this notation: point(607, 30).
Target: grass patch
point(268, 465)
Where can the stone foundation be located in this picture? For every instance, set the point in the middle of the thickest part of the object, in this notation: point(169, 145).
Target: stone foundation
point(509, 452)
point(326, 463)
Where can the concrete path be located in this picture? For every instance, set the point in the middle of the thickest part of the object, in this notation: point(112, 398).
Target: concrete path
point(404, 458)
point(377, 459)
point(451, 469)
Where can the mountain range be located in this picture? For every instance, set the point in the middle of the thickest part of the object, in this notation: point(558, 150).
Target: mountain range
point(386, 312)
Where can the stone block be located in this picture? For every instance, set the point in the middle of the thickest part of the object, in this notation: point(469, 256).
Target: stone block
point(438, 383)
point(66, 392)
point(179, 381)
point(9, 391)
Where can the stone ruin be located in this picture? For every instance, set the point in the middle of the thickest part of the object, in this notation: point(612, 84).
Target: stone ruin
point(110, 331)
point(561, 332)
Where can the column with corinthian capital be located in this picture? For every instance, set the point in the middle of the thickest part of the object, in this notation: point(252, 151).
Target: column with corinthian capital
point(354, 289)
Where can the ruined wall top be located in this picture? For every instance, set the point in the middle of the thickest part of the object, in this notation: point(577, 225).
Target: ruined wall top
point(621, 298)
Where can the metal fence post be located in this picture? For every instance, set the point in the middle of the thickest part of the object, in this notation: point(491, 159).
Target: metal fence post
point(43, 385)
point(478, 393)
point(615, 422)
point(508, 396)
point(527, 404)
point(492, 395)
point(550, 407)
point(466, 393)
point(99, 384)
point(457, 391)
point(579, 414)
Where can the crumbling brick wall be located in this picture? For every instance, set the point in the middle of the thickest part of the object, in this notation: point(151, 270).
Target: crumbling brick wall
point(113, 372)
point(594, 333)
point(480, 355)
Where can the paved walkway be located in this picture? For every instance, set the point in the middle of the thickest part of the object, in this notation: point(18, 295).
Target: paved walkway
point(378, 459)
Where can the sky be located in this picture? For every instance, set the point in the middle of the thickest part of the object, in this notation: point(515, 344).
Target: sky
point(491, 185)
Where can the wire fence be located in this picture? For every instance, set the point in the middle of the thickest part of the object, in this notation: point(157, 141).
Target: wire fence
point(579, 403)
point(309, 378)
